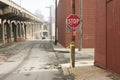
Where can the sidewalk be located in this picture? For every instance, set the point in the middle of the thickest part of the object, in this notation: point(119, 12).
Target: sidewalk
point(88, 73)
point(85, 69)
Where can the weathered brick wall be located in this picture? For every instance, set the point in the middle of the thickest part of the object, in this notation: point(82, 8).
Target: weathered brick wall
point(61, 22)
point(113, 36)
point(100, 48)
point(89, 20)
point(107, 50)
point(89, 10)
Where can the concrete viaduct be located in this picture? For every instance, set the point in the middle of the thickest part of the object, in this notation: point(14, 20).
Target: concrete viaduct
point(16, 23)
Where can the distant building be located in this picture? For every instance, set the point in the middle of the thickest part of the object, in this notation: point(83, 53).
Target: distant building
point(89, 17)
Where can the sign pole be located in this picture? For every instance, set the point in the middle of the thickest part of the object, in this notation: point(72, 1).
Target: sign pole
point(72, 21)
point(72, 44)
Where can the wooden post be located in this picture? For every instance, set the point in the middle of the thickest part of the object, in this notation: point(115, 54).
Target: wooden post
point(72, 44)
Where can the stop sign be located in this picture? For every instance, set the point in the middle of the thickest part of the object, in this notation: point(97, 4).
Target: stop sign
point(73, 21)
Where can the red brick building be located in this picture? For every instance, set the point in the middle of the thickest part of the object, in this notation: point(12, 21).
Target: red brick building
point(107, 51)
point(89, 17)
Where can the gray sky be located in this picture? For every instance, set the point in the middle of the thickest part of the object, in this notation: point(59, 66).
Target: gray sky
point(32, 5)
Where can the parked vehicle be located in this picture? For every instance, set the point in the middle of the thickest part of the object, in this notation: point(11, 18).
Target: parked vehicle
point(43, 37)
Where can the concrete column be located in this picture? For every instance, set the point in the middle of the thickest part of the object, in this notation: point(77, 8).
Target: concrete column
point(40, 31)
point(38, 27)
point(19, 31)
point(25, 30)
point(32, 28)
point(11, 35)
point(15, 31)
point(36, 31)
point(22, 30)
point(8, 31)
point(28, 28)
point(37, 35)
point(17, 37)
point(2, 36)
point(5, 31)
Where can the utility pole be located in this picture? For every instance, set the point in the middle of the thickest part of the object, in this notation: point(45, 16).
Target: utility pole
point(20, 3)
point(73, 6)
point(56, 28)
point(80, 28)
point(72, 44)
point(50, 23)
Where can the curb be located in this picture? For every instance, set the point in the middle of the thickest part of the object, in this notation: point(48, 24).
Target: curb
point(67, 74)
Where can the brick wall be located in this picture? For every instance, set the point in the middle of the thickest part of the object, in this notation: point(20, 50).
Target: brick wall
point(61, 22)
point(89, 20)
point(100, 48)
point(89, 9)
point(107, 50)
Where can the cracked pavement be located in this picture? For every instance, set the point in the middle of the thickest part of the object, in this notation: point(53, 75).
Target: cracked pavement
point(32, 60)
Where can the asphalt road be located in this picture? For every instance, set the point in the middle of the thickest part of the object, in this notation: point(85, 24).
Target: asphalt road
point(40, 62)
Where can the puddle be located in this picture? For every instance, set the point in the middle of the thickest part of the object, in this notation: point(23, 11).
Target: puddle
point(83, 62)
point(31, 68)
point(9, 61)
point(62, 51)
point(55, 66)
point(35, 57)
point(27, 74)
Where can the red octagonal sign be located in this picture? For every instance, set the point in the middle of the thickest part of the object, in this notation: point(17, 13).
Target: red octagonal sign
point(73, 21)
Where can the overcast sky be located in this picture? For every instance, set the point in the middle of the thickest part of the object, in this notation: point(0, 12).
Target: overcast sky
point(33, 5)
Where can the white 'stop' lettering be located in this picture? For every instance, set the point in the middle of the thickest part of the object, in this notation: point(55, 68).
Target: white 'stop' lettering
point(73, 21)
